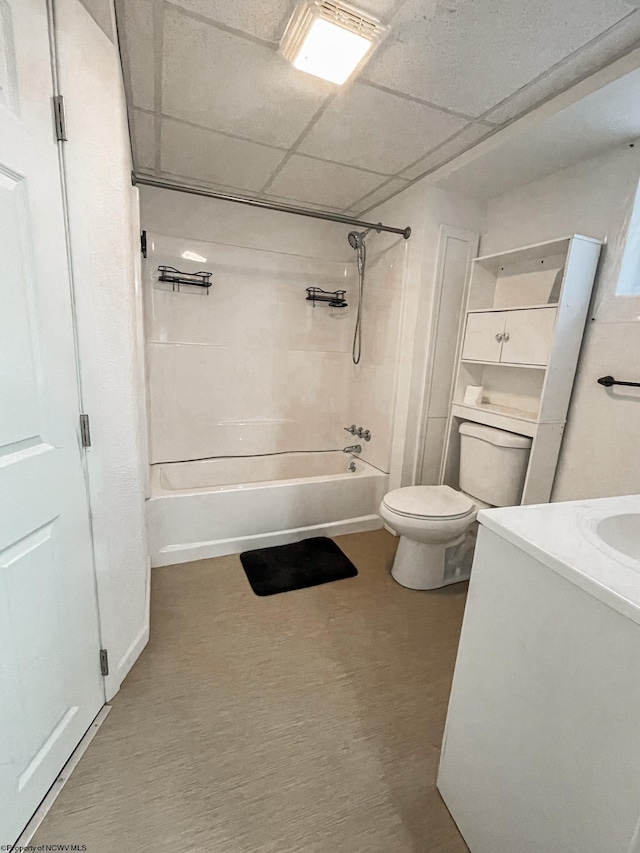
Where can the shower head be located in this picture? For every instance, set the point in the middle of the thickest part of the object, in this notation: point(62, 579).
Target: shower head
point(356, 238)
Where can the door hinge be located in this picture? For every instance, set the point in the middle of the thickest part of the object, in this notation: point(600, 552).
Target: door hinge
point(85, 431)
point(60, 118)
point(143, 243)
point(104, 662)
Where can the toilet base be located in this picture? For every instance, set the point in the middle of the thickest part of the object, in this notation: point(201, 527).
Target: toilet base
point(423, 565)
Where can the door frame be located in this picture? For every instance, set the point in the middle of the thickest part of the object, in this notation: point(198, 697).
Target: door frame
point(54, 62)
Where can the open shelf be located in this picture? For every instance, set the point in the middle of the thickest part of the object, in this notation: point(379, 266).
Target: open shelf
point(514, 307)
point(506, 411)
point(502, 417)
point(504, 364)
point(533, 252)
point(529, 307)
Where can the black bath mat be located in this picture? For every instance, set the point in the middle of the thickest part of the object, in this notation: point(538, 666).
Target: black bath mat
point(296, 566)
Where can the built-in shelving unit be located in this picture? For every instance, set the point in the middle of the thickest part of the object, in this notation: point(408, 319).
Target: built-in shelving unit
point(520, 337)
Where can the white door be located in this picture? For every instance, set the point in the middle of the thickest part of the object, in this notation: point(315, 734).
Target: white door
point(50, 682)
point(483, 336)
point(529, 336)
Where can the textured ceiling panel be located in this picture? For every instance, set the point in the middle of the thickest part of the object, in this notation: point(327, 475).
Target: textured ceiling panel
point(267, 20)
point(598, 53)
point(212, 101)
point(224, 82)
point(296, 203)
point(198, 153)
point(144, 140)
point(468, 56)
point(585, 129)
point(374, 130)
point(139, 35)
point(462, 141)
point(262, 20)
point(326, 183)
point(391, 187)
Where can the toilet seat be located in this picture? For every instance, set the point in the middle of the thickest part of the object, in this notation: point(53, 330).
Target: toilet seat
point(428, 502)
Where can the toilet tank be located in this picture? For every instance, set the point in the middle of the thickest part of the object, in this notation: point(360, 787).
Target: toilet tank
point(493, 464)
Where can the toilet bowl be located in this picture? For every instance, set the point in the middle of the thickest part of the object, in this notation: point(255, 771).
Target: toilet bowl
point(429, 520)
point(436, 523)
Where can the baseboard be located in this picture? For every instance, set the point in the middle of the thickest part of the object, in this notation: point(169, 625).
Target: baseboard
point(175, 554)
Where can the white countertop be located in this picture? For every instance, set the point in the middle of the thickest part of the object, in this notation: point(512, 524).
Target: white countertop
point(562, 537)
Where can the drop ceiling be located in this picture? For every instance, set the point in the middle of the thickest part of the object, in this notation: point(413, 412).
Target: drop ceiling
point(601, 120)
point(213, 104)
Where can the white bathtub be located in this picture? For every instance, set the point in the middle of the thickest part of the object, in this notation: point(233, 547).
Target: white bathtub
point(223, 506)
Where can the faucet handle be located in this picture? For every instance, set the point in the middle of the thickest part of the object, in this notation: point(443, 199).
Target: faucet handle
point(352, 429)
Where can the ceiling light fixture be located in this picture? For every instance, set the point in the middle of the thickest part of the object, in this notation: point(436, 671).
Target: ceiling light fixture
point(329, 39)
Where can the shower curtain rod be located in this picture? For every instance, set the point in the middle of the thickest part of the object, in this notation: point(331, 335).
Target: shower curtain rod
point(268, 205)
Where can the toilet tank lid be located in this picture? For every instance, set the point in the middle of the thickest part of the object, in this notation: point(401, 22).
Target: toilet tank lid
point(499, 437)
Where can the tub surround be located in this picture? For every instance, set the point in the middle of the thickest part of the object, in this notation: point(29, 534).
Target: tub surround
point(254, 360)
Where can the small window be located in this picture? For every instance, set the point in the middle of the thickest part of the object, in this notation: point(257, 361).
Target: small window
point(629, 280)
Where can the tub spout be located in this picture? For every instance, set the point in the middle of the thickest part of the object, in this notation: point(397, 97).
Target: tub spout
point(353, 448)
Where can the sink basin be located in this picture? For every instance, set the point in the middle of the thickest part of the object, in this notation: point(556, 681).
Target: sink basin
point(621, 533)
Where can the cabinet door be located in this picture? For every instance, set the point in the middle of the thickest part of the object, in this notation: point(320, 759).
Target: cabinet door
point(528, 336)
point(483, 336)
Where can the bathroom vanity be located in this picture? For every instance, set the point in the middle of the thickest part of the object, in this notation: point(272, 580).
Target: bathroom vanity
point(541, 752)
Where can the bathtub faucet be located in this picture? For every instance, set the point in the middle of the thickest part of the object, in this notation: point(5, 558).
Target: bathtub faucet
point(353, 448)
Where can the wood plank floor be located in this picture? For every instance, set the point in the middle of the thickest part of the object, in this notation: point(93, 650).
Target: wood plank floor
point(309, 721)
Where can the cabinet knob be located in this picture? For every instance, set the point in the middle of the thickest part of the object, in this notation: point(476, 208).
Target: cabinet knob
point(505, 337)
point(499, 337)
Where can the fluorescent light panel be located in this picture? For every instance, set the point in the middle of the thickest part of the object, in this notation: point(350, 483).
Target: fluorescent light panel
point(329, 40)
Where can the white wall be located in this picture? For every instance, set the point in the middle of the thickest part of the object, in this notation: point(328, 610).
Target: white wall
point(425, 209)
point(102, 219)
point(599, 455)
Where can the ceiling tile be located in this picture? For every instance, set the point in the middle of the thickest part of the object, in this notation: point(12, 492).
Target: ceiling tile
point(255, 17)
point(138, 46)
point(283, 200)
point(206, 155)
point(144, 140)
point(267, 20)
point(225, 82)
point(467, 138)
point(612, 44)
point(382, 9)
point(468, 56)
point(378, 196)
point(322, 183)
point(588, 127)
point(374, 130)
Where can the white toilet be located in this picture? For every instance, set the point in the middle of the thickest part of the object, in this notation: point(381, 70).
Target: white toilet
point(434, 522)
